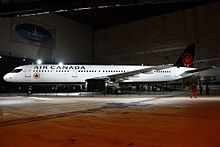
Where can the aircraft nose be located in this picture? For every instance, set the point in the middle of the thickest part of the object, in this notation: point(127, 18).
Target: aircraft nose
point(7, 77)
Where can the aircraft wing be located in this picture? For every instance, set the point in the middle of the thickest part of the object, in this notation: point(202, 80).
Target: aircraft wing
point(135, 72)
point(193, 72)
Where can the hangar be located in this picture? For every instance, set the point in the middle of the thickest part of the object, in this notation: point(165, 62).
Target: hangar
point(74, 35)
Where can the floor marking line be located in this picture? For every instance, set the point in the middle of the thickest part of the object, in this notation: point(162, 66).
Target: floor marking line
point(152, 99)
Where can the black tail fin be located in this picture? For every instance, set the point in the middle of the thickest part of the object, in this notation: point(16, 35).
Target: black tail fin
point(187, 57)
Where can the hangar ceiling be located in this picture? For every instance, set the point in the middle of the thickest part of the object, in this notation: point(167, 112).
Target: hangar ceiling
point(96, 13)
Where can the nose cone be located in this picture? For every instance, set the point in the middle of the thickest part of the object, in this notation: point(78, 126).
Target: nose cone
point(7, 78)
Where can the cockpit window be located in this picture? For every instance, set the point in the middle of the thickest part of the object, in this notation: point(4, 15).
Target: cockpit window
point(16, 70)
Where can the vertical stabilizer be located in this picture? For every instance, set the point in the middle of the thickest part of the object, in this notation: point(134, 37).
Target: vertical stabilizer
point(187, 57)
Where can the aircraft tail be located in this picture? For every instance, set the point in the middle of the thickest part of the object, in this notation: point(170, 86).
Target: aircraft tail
point(187, 57)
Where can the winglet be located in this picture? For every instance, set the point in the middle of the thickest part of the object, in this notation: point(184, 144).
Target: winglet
point(187, 57)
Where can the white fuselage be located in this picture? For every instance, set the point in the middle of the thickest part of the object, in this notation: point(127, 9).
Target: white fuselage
point(80, 73)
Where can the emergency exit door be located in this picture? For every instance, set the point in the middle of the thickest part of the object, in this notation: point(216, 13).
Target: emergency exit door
point(74, 73)
point(28, 72)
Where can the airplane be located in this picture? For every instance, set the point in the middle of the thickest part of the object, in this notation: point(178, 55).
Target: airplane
point(51, 73)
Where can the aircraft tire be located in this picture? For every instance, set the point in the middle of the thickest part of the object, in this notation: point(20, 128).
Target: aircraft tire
point(118, 91)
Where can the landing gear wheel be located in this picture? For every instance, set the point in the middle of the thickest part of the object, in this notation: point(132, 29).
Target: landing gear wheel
point(118, 91)
point(29, 89)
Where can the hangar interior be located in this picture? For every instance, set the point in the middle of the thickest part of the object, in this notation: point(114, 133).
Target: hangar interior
point(87, 33)
point(112, 33)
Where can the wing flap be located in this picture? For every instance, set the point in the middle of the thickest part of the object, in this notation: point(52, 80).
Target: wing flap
point(135, 72)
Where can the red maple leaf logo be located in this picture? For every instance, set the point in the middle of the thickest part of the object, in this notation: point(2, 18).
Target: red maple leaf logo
point(187, 60)
point(36, 75)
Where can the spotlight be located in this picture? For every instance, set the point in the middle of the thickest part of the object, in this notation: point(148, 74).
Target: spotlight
point(39, 61)
point(60, 64)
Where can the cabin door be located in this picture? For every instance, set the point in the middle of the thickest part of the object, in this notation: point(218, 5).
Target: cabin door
point(28, 72)
point(74, 74)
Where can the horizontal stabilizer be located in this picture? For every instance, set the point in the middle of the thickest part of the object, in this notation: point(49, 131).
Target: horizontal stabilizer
point(192, 72)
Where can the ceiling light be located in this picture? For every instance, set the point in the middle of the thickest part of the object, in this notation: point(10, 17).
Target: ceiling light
point(39, 61)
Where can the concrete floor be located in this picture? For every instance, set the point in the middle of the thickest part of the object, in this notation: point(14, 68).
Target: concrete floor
point(109, 121)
